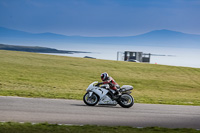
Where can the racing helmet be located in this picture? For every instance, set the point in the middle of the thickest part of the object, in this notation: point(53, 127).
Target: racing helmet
point(104, 76)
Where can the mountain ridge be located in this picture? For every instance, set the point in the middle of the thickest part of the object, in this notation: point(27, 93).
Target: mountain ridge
point(3, 29)
point(158, 38)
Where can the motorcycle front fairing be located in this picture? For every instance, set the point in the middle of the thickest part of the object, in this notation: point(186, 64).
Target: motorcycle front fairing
point(97, 90)
point(101, 92)
point(91, 86)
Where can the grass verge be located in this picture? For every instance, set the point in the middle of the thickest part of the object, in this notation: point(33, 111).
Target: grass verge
point(11, 127)
point(38, 75)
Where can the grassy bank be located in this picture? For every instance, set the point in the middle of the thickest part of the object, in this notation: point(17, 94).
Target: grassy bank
point(37, 75)
point(11, 127)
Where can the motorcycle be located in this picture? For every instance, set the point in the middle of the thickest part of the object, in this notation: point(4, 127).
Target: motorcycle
point(103, 95)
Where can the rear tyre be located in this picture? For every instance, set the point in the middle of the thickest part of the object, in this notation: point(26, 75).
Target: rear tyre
point(91, 101)
point(126, 101)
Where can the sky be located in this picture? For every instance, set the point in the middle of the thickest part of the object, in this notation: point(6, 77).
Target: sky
point(100, 17)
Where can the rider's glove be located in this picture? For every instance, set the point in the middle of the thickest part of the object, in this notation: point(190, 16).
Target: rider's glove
point(97, 84)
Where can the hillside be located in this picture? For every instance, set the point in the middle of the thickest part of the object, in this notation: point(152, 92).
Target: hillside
point(37, 75)
point(36, 49)
point(157, 38)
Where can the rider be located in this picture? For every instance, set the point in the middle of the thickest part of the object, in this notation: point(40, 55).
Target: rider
point(109, 80)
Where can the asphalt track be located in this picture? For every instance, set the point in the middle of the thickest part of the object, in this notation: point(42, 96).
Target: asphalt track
point(75, 112)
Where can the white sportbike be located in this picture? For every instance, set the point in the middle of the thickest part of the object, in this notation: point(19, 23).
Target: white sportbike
point(103, 95)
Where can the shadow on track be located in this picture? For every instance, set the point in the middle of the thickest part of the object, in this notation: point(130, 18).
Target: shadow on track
point(107, 106)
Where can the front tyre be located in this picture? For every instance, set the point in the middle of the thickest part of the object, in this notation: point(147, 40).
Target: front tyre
point(91, 101)
point(126, 101)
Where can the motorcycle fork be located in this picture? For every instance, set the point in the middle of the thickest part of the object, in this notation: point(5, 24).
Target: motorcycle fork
point(90, 94)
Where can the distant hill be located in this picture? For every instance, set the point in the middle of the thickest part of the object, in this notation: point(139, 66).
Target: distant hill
point(36, 49)
point(159, 38)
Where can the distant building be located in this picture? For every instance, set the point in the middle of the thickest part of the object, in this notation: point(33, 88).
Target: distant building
point(133, 56)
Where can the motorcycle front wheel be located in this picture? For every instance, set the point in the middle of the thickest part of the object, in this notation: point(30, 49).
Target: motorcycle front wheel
point(126, 101)
point(92, 100)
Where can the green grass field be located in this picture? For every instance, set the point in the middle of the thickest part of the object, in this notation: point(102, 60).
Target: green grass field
point(38, 75)
point(10, 127)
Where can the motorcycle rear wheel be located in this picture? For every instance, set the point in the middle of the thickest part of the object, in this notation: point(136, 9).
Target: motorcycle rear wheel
point(126, 101)
point(90, 101)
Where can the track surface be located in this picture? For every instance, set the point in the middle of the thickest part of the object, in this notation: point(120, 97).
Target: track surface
point(60, 111)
